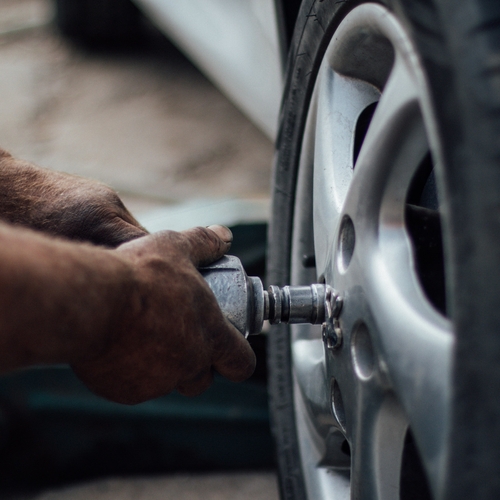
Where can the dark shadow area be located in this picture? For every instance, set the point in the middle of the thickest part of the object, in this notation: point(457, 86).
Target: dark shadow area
point(423, 221)
point(113, 28)
point(362, 125)
point(100, 24)
point(414, 484)
point(54, 431)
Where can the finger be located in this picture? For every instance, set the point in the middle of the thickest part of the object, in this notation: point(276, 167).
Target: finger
point(206, 245)
point(197, 385)
point(233, 356)
point(223, 232)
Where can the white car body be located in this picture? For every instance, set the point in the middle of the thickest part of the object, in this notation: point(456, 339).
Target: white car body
point(237, 45)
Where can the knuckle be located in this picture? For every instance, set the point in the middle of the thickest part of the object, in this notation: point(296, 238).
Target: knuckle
point(114, 199)
point(4, 154)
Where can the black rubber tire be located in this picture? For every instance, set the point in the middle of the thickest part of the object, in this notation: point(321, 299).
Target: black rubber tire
point(459, 43)
point(99, 23)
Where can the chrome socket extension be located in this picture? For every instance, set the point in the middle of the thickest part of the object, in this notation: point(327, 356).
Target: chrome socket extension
point(246, 304)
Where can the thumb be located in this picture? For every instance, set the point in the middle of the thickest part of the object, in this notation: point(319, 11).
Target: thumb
point(207, 245)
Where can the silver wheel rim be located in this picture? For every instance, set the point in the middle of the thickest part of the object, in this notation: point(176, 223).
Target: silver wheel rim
point(392, 371)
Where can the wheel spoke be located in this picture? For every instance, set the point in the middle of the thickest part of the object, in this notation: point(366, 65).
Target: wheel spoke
point(310, 374)
point(322, 482)
point(378, 441)
point(416, 346)
point(340, 101)
point(394, 146)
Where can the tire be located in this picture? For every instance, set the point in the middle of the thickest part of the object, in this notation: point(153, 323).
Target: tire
point(99, 23)
point(387, 182)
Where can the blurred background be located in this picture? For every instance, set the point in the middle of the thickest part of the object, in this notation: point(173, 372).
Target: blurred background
point(141, 118)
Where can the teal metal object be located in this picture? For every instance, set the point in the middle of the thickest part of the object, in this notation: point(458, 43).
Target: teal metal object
point(55, 430)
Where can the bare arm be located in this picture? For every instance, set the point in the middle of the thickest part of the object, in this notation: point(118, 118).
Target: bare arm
point(134, 323)
point(63, 205)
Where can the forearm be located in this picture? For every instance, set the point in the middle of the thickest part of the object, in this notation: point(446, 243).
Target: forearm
point(57, 299)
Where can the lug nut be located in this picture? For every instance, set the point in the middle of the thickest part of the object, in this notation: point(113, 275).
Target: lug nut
point(332, 334)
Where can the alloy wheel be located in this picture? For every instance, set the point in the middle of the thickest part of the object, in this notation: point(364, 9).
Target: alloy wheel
point(369, 209)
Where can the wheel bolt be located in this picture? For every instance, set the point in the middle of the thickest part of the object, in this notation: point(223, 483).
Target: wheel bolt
point(332, 334)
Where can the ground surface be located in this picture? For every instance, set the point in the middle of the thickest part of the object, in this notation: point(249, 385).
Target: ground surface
point(146, 122)
point(249, 486)
point(151, 126)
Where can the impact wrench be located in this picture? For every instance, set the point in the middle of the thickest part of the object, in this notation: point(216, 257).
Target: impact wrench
point(246, 304)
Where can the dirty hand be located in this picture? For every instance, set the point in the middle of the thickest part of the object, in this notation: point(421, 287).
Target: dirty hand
point(63, 205)
point(172, 334)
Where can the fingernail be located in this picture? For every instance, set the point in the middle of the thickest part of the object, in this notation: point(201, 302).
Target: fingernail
point(223, 232)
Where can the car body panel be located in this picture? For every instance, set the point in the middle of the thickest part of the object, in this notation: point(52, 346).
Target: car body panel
point(235, 43)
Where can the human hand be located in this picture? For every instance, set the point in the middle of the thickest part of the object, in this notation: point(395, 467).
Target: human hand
point(172, 335)
point(63, 205)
